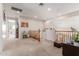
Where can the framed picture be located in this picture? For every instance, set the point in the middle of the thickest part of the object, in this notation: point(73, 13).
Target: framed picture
point(24, 24)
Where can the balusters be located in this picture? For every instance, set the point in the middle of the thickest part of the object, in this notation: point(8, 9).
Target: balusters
point(64, 35)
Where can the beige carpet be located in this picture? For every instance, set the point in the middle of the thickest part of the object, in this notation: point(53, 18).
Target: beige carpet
point(30, 47)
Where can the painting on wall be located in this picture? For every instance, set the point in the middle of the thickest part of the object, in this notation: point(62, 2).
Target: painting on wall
point(24, 24)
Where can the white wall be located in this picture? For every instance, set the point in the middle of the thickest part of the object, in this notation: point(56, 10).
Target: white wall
point(32, 25)
point(1, 20)
point(65, 23)
point(61, 24)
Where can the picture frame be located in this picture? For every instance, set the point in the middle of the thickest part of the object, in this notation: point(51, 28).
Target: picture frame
point(24, 24)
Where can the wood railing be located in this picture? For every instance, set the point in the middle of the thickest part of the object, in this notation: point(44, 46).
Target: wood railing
point(62, 36)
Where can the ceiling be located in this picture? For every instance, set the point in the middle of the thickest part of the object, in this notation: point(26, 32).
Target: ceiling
point(42, 13)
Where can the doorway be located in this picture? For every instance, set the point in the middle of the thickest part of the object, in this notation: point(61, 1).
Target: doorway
point(11, 24)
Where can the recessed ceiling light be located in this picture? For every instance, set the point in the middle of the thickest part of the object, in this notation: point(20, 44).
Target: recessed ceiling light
point(18, 11)
point(49, 9)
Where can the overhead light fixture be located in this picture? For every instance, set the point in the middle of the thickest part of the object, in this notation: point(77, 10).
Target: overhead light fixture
point(49, 9)
point(18, 11)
